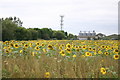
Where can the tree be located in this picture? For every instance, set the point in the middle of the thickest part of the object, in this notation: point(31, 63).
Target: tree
point(46, 33)
point(12, 30)
point(70, 36)
point(22, 33)
point(34, 34)
point(8, 29)
point(59, 35)
point(17, 21)
point(39, 33)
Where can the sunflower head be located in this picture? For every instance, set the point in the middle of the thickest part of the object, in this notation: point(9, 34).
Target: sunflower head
point(68, 45)
point(50, 47)
point(37, 48)
point(115, 51)
point(90, 49)
point(42, 44)
point(77, 49)
point(26, 45)
point(68, 50)
point(84, 47)
point(103, 70)
point(74, 56)
point(16, 45)
point(47, 75)
point(37, 43)
point(7, 51)
point(106, 53)
point(88, 54)
point(62, 52)
point(44, 50)
point(116, 56)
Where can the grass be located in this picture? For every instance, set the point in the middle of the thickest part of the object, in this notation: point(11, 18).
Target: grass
point(58, 67)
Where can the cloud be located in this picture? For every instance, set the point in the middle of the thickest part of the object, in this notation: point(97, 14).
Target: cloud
point(79, 14)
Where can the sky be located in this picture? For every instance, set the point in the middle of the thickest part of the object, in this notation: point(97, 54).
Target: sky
point(79, 15)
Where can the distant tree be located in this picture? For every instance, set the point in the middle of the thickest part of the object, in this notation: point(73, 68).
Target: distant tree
point(70, 36)
point(12, 29)
point(59, 35)
point(17, 21)
point(8, 29)
point(22, 33)
point(34, 34)
point(46, 33)
point(39, 33)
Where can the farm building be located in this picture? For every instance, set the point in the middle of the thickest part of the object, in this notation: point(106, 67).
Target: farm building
point(87, 35)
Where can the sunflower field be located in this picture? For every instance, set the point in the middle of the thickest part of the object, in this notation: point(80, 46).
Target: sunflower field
point(60, 59)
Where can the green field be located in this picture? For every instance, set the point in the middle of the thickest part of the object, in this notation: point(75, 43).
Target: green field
point(60, 59)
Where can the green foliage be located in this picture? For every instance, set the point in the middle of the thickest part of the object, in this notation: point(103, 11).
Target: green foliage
point(59, 35)
point(12, 30)
point(8, 29)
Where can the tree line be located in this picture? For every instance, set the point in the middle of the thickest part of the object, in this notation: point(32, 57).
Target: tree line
point(12, 29)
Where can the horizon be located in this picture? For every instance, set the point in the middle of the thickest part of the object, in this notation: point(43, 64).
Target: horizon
point(98, 15)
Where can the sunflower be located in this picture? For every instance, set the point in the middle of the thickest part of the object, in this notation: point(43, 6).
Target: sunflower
point(103, 46)
point(62, 52)
point(88, 54)
point(94, 49)
point(30, 44)
point(42, 44)
point(37, 43)
point(50, 47)
point(60, 47)
point(21, 51)
point(90, 49)
point(37, 48)
point(74, 56)
point(44, 50)
point(11, 45)
point(106, 53)
point(116, 56)
point(79, 46)
point(77, 49)
point(68, 50)
point(7, 51)
point(84, 47)
point(116, 51)
point(103, 70)
point(16, 45)
point(95, 53)
point(26, 45)
point(99, 52)
point(47, 75)
point(68, 45)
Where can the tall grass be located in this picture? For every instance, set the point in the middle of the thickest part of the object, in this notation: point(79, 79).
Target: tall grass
point(30, 67)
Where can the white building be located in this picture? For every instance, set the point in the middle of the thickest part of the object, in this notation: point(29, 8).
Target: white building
point(85, 35)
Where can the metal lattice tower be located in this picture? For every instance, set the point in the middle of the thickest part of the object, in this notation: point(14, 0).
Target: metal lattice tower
point(61, 24)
